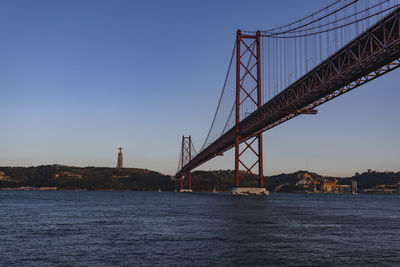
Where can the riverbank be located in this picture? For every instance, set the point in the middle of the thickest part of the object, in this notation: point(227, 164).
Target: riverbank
point(60, 177)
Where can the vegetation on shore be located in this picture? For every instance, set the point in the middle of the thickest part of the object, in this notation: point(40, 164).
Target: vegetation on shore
point(86, 178)
point(132, 179)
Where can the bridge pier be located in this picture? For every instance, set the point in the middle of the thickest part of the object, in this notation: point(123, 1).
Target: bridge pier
point(249, 191)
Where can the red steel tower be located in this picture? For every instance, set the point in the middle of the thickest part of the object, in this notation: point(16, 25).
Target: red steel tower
point(186, 156)
point(248, 91)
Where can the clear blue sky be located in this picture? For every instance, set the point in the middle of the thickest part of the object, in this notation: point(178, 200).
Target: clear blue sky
point(80, 78)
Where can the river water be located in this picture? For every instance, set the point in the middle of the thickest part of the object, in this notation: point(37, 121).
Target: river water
point(63, 228)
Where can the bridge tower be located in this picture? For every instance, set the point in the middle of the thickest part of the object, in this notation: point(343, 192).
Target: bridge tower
point(185, 181)
point(248, 91)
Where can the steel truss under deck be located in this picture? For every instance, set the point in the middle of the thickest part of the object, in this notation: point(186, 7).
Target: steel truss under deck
point(371, 55)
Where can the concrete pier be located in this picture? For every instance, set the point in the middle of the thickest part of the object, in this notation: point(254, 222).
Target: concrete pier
point(250, 191)
point(186, 190)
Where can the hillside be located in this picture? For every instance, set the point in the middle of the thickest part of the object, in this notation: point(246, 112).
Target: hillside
point(132, 179)
point(223, 180)
point(86, 178)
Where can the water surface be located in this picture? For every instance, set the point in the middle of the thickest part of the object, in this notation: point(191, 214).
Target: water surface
point(63, 228)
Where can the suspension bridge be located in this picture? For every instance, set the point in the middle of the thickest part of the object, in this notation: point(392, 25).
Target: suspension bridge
point(277, 74)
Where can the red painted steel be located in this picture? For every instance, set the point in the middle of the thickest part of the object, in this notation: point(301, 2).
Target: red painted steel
point(242, 73)
point(183, 162)
point(260, 146)
point(185, 178)
point(189, 173)
point(370, 55)
point(237, 127)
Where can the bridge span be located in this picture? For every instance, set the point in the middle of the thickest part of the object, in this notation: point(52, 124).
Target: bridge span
point(371, 54)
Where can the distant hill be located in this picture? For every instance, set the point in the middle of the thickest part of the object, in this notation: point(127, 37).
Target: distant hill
point(86, 178)
point(132, 179)
point(287, 182)
point(375, 179)
point(223, 180)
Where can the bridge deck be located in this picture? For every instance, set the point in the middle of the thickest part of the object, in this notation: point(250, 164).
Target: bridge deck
point(370, 55)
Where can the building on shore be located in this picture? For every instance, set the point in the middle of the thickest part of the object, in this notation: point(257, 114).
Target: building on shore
point(329, 186)
point(308, 184)
point(343, 188)
point(120, 164)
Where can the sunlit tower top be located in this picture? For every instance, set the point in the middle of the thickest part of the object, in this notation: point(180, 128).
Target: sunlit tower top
point(120, 160)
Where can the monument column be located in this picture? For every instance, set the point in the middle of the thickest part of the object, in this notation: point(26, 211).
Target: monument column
point(120, 160)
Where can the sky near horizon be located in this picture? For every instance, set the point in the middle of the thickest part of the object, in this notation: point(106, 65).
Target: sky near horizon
point(78, 79)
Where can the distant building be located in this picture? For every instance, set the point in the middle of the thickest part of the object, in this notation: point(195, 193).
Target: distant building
point(343, 188)
point(120, 164)
point(305, 181)
point(329, 186)
point(3, 177)
point(308, 184)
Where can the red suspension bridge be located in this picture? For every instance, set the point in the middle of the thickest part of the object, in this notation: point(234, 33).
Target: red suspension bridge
point(278, 74)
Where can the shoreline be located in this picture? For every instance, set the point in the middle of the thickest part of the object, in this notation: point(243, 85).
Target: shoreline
point(29, 188)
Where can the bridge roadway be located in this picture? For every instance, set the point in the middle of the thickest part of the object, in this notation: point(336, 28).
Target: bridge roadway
point(370, 55)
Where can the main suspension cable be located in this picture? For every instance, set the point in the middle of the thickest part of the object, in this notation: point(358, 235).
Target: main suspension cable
point(331, 29)
point(220, 98)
